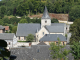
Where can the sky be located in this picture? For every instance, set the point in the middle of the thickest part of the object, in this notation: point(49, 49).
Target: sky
point(0, 0)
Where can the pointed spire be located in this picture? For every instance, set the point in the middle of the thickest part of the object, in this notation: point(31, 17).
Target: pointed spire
point(45, 14)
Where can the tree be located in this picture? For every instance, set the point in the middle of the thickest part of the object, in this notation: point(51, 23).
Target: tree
point(54, 20)
point(74, 13)
point(75, 50)
point(3, 51)
point(1, 22)
point(30, 38)
point(3, 9)
point(14, 29)
point(75, 30)
point(57, 50)
point(23, 21)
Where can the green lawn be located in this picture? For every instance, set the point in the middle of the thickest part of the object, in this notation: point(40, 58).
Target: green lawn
point(22, 41)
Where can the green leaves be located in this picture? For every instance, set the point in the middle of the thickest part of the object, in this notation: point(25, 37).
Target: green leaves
point(75, 30)
point(57, 51)
point(30, 38)
point(23, 21)
point(14, 29)
point(75, 50)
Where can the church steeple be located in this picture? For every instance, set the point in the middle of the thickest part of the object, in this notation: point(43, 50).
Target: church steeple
point(45, 14)
point(45, 20)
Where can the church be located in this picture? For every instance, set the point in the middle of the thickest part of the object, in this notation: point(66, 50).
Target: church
point(45, 32)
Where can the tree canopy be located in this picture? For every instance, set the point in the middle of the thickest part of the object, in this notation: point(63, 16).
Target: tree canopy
point(57, 51)
point(30, 38)
point(23, 21)
point(75, 30)
point(75, 50)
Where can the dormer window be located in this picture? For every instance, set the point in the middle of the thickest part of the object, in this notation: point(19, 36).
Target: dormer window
point(45, 21)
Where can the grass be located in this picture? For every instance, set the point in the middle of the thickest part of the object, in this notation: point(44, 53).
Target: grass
point(22, 41)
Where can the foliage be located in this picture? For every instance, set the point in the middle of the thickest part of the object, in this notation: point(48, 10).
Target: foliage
point(21, 41)
point(74, 13)
point(3, 51)
point(30, 38)
point(23, 21)
point(75, 50)
point(75, 30)
point(14, 29)
point(1, 15)
point(57, 50)
point(54, 20)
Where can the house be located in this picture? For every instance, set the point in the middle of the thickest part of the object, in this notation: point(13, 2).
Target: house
point(2, 29)
point(10, 38)
point(6, 28)
point(48, 38)
point(39, 30)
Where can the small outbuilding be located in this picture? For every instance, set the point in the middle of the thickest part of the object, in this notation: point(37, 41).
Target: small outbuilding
point(10, 38)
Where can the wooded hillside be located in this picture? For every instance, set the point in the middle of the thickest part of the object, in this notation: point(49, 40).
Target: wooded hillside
point(30, 7)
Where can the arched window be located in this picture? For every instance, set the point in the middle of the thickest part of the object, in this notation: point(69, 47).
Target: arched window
point(45, 21)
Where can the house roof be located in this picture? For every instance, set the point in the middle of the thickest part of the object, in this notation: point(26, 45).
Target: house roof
point(1, 27)
point(41, 43)
point(53, 37)
point(45, 14)
point(6, 27)
point(6, 36)
point(27, 28)
point(55, 28)
point(37, 52)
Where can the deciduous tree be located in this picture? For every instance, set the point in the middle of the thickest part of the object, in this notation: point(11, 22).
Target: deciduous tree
point(75, 50)
point(30, 38)
point(75, 30)
point(57, 51)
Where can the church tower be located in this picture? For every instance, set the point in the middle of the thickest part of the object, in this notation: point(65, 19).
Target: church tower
point(45, 20)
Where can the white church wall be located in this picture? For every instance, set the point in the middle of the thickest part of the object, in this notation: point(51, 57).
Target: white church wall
point(45, 22)
point(41, 33)
point(65, 30)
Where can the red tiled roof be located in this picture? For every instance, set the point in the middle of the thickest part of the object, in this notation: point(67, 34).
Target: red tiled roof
point(6, 27)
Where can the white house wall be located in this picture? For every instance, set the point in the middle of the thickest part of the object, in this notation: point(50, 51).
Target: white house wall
point(60, 21)
point(9, 41)
point(39, 35)
point(14, 40)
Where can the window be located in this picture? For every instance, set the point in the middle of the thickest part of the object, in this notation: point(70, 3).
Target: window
point(63, 43)
point(9, 43)
point(19, 38)
point(45, 21)
point(56, 43)
point(43, 33)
